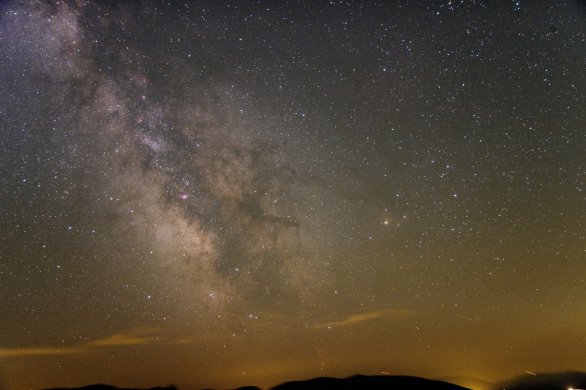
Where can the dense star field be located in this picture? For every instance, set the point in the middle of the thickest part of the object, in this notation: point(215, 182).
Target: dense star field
point(215, 194)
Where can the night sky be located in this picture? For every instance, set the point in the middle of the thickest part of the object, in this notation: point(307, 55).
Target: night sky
point(215, 194)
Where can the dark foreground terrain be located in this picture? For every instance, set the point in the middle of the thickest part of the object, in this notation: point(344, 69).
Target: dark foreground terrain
point(556, 381)
point(368, 382)
point(357, 382)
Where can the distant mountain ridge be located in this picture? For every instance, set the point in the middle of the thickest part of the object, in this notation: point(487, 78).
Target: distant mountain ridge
point(363, 382)
point(553, 381)
point(100, 386)
point(356, 382)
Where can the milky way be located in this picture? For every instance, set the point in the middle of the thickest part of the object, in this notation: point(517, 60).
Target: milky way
point(215, 194)
point(206, 192)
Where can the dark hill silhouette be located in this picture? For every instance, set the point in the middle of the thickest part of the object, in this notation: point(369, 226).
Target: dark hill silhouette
point(362, 382)
point(248, 388)
point(243, 388)
point(357, 382)
point(110, 387)
point(556, 381)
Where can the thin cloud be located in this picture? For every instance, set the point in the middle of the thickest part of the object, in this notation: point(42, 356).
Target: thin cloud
point(134, 337)
point(139, 336)
point(355, 319)
point(33, 351)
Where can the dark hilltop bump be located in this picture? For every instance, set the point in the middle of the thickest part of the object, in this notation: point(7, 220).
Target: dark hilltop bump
point(368, 383)
point(110, 387)
point(248, 388)
point(357, 382)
